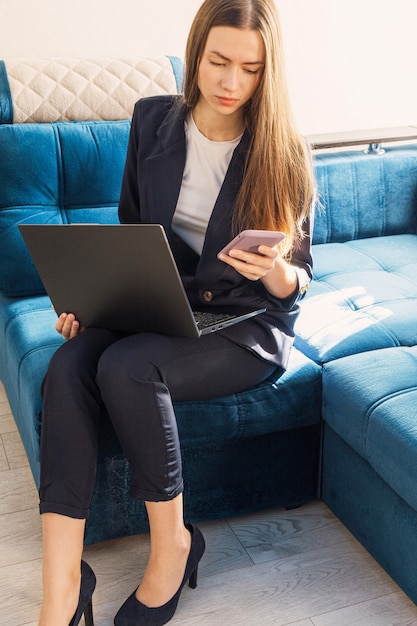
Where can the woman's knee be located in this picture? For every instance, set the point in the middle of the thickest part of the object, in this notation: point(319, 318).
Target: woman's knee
point(77, 358)
point(127, 359)
point(67, 360)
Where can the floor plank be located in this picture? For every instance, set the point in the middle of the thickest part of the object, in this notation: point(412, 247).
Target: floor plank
point(286, 590)
point(391, 610)
point(4, 464)
point(19, 493)
point(14, 450)
point(266, 535)
point(7, 423)
point(20, 537)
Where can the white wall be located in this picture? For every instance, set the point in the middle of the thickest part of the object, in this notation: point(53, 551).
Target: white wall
point(351, 64)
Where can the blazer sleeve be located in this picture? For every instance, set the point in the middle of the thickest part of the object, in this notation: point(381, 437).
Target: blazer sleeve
point(302, 259)
point(129, 208)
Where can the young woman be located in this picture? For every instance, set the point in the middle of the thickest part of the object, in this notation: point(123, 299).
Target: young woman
point(221, 158)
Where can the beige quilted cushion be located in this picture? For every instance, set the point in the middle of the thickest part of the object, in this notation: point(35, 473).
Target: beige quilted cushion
point(68, 89)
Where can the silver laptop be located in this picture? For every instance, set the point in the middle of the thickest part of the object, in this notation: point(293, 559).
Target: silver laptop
point(118, 276)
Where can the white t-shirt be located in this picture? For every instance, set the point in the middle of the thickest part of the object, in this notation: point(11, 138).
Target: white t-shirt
point(205, 168)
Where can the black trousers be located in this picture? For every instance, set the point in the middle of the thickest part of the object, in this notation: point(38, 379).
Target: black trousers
point(134, 379)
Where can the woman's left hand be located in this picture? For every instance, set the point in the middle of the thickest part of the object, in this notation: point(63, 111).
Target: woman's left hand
point(252, 266)
point(278, 276)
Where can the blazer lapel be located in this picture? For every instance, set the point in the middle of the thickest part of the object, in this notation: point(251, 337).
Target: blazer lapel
point(165, 168)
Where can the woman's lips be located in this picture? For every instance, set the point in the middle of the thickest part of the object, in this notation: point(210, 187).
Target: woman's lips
point(228, 102)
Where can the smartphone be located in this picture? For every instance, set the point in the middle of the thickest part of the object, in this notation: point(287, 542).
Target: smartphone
point(250, 240)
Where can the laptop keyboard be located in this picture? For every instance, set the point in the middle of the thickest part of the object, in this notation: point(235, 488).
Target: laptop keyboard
point(205, 319)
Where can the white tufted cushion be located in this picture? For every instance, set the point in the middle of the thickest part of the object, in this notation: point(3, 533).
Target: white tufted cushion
point(68, 89)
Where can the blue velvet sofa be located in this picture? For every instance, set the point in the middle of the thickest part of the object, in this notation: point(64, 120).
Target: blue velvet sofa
point(240, 453)
point(339, 424)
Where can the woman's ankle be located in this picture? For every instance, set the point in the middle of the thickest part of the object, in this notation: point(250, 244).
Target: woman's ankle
point(164, 572)
point(60, 598)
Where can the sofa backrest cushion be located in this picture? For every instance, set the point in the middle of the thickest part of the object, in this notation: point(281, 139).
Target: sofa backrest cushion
point(72, 88)
point(363, 195)
point(54, 173)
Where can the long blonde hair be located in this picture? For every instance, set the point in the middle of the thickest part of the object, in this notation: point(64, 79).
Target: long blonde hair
point(278, 184)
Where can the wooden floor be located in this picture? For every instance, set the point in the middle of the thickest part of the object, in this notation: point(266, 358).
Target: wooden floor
point(294, 568)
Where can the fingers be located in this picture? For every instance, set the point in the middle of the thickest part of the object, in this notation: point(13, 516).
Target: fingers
point(250, 265)
point(68, 326)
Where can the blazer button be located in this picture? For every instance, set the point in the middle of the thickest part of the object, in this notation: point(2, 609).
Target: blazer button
point(207, 296)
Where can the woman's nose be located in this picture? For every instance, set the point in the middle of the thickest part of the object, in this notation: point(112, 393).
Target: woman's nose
point(230, 79)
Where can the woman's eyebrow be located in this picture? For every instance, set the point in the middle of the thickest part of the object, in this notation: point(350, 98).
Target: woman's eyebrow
point(219, 54)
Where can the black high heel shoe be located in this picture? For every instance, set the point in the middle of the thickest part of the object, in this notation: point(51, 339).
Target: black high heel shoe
point(134, 613)
point(85, 602)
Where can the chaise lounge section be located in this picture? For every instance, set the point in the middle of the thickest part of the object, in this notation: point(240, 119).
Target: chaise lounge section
point(370, 454)
point(358, 322)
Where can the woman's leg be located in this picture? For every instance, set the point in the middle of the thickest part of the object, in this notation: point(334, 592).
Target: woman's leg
point(71, 410)
point(70, 418)
point(170, 547)
point(139, 378)
point(61, 572)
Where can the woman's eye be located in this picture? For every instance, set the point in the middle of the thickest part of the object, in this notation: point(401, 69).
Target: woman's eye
point(253, 72)
point(217, 64)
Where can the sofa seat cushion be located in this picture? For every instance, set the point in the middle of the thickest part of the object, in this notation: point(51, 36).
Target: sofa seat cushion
point(290, 401)
point(281, 403)
point(370, 401)
point(27, 327)
point(29, 339)
point(363, 297)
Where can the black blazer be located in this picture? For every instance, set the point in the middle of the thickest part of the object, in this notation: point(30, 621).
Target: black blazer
point(151, 185)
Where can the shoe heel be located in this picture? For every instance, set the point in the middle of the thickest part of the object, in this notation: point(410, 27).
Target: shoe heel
point(192, 582)
point(88, 614)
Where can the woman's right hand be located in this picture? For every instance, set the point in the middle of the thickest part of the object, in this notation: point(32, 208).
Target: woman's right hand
point(68, 326)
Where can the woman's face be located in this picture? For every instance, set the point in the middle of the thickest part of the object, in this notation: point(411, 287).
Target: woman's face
point(230, 69)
